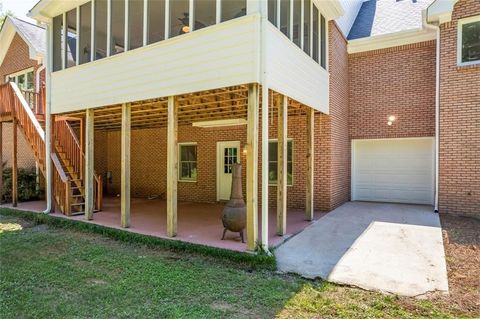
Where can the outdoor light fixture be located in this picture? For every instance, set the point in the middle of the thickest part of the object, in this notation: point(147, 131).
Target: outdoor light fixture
point(391, 118)
point(244, 151)
point(185, 29)
point(389, 123)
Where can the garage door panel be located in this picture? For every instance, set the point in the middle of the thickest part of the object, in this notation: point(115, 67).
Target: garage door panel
point(393, 170)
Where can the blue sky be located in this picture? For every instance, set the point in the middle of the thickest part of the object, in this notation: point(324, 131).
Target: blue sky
point(19, 7)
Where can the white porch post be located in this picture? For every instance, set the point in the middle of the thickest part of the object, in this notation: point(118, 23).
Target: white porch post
point(125, 165)
point(172, 166)
point(252, 167)
point(14, 164)
point(282, 104)
point(89, 159)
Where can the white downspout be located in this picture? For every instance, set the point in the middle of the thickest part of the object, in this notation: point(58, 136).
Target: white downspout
point(437, 104)
point(48, 122)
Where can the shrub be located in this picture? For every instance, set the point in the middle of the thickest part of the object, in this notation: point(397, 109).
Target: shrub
point(27, 185)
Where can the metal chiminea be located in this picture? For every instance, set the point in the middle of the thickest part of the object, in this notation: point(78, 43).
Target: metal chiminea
point(234, 217)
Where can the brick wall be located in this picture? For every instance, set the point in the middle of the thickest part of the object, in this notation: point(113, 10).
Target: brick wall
point(397, 81)
point(459, 122)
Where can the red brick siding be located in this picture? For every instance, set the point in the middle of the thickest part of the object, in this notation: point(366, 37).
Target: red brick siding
point(459, 181)
point(397, 81)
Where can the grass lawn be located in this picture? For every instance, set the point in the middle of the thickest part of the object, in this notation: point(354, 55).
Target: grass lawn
point(50, 272)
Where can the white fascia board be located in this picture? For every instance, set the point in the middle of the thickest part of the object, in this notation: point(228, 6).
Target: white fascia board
point(440, 11)
point(331, 9)
point(390, 40)
point(47, 9)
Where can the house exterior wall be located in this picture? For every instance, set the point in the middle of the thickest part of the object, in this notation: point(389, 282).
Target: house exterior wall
point(16, 59)
point(397, 81)
point(459, 183)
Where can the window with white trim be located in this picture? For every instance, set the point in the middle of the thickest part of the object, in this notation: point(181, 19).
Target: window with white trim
point(468, 42)
point(273, 162)
point(23, 79)
point(188, 162)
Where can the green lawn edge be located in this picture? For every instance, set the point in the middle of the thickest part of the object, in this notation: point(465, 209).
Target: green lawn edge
point(257, 261)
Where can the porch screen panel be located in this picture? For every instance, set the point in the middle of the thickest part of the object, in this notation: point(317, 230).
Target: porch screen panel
point(297, 22)
point(285, 17)
point(272, 11)
point(205, 13)
point(71, 54)
point(306, 26)
point(179, 17)
point(57, 42)
point(156, 20)
point(135, 24)
point(118, 27)
point(85, 32)
point(323, 44)
point(232, 9)
point(315, 24)
point(101, 29)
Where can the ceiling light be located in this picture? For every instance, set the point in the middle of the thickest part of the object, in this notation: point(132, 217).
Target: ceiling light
point(391, 118)
point(389, 123)
point(185, 29)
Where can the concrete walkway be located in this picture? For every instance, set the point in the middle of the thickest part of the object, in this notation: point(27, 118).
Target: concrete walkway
point(388, 247)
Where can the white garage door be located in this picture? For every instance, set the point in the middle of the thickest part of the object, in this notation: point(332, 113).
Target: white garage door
point(393, 170)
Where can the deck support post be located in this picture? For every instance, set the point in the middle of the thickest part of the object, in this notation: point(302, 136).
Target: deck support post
point(252, 166)
point(125, 165)
point(14, 164)
point(282, 147)
point(310, 161)
point(89, 159)
point(1, 161)
point(172, 166)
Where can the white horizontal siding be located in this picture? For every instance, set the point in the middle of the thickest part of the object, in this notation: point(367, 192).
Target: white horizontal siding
point(293, 73)
point(218, 56)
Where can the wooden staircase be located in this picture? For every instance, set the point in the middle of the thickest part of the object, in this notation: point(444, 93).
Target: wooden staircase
point(67, 154)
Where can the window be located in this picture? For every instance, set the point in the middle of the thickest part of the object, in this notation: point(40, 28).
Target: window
point(179, 18)
point(205, 13)
point(188, 162)
point(315, 24)
point(468, 45)
point(232, 9)
point(306, 26)
point(272, 11)
point(135, 24)
point(273, 164)
point(156, 21)
point(71, 57)
point(101, 11)
point(297, 22)
point(23, 79)
point(85, 45)
point(323, 42)
point(118, 27)
point(285, 17)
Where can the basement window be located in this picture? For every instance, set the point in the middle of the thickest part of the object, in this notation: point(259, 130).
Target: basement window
point(188, 162)
point(273, 162)
point(468, 41)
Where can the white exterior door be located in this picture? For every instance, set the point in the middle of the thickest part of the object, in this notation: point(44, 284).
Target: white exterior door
point(393, 170)
point(228, 153)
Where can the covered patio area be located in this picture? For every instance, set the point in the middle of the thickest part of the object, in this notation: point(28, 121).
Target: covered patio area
point(198, 223)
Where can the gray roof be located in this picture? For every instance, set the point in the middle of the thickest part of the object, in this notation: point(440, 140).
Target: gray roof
point(35, 35)
point(378, 17)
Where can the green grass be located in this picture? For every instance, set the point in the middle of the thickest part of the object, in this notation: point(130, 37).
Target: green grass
point(62, 270)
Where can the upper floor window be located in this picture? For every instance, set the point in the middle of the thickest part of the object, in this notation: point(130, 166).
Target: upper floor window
point(468, 45)
point(107, 27)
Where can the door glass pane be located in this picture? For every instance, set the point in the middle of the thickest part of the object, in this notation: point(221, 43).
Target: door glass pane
point(179, 17)
point(72, 38)
point(272, 11)
point(156, 20)
point(297, 17)
point(135, 23)
point(232, 9)
point(85, 32)
point(100, 29)
point(205, 13)
point(118, 27)
point(285, 17)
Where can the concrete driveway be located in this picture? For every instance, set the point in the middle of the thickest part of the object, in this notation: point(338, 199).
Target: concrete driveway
point(393, 248)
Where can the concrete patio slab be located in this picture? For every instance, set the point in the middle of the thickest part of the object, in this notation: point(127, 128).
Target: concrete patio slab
point(392, 248)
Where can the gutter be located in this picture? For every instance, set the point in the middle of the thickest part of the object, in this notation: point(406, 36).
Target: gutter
point(435, 27)
point(48, 124)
